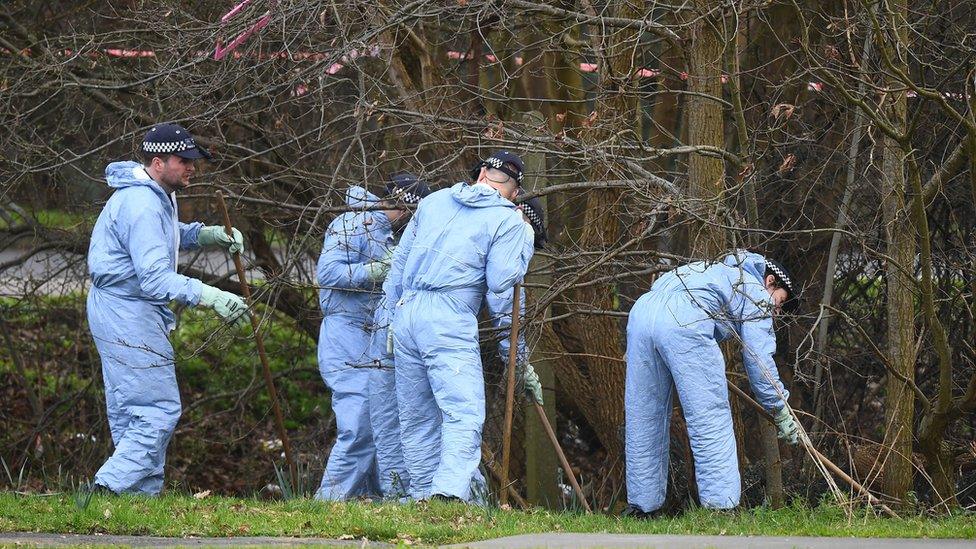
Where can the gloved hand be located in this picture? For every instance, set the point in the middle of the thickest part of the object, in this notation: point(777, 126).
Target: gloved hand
point(533, 389)
point(230, 307)
point(786, 426)
point(376, 270)
point(213, 235)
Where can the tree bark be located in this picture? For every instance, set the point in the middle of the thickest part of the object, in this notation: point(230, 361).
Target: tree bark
point(899, 273)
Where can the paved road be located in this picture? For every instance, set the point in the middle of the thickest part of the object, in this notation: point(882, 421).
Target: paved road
point(608, 541)
point(528, 541)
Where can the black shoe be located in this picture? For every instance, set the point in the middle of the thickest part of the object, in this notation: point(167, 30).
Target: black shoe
point(98, 490)
point(635, 512)
point(446, 498)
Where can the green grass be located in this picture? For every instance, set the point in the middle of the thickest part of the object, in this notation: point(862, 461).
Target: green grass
point(427, 523)
point(55, 219)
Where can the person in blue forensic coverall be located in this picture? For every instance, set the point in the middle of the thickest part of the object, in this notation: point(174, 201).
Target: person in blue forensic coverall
point(354, 261)
point(672, 339)
point(461, 243)
point(132, 261)
point(394, 477)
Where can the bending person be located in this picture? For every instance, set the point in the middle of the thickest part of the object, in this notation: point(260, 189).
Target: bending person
point(132, 260)
point(354, 261)
point(672, 338)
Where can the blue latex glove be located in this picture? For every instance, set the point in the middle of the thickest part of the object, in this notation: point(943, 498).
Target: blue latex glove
point(230, 307)
point(213, 235)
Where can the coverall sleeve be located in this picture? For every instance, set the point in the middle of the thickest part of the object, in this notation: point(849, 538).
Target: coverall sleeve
point(189, 233)
point(758, 346)
point(500, 310)
point(338, 265)
point(149, 249)
point(393, 285)
point(509, 254)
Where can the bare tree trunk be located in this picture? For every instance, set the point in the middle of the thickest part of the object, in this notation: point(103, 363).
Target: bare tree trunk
point(899, 272)
point(706, 174)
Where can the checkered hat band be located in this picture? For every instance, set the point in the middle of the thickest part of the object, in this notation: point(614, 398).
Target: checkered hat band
point(533, 216)
point(166, 147)
point(780, 275)
point(497, 163)
point(405, 195)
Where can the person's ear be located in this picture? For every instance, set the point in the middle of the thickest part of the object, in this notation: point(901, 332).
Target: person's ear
point(769, 281)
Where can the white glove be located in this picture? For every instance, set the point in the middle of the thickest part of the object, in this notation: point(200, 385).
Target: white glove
point(213, 235)
point(530, 380)
point(230, 307)
point(786, 426)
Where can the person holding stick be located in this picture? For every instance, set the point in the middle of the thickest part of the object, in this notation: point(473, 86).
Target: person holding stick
point(132, 261)
point(672, 339)
point(394, 477)
point(462, 242)
point(354, 261)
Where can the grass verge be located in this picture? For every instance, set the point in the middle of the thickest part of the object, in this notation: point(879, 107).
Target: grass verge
point(427, 523)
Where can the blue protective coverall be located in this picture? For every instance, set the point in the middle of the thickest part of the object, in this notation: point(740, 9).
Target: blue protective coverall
point(672, 338)
point(349, 299)
point(461, 243)
point(383, 413)
point(132, 262)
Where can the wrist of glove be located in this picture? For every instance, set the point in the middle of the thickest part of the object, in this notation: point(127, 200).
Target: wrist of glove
point(531, 384)
point(230, 307)
point(786, 427)
point(213, 235)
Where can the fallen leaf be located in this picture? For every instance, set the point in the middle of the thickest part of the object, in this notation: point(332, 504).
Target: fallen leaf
point(107, 513)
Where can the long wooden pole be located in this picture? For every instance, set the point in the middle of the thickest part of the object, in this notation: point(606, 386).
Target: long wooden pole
point(259, 340)
point(489, 461)
point(562, 456)
point(816, 454)
point(510, 390)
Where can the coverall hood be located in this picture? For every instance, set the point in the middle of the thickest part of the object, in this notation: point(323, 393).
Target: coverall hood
point(120, 175)
point(358, 197)
point(478, 196)
point(749, 262)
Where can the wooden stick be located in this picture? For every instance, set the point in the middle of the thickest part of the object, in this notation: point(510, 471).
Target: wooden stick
point(510, 390)
point(255, 327)
point(816, 454)
point(562, 456)
point(489, 461)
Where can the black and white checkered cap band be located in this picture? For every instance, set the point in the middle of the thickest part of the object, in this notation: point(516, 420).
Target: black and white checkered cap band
point(405, 195)
point(497, 164)
point(168, 147)
point(780, 275)
point(532, 215)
